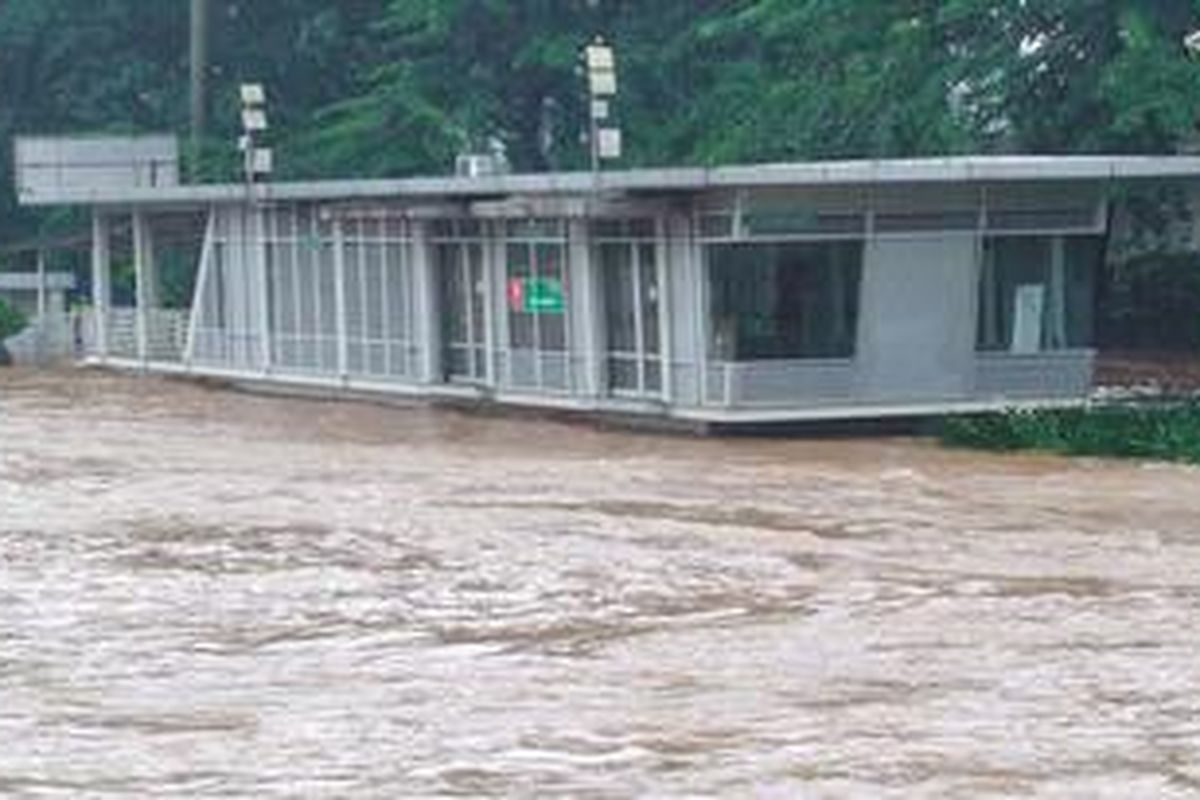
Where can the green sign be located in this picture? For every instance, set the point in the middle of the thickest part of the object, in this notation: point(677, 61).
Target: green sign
point(536, 295)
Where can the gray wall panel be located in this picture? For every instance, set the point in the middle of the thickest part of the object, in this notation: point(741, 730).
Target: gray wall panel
point(917, 324)
point(687, 326)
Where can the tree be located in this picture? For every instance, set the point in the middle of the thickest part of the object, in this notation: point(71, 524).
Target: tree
point(12, 321)
point(1061, 76)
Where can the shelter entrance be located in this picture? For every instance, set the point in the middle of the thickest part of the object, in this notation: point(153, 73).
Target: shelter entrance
point(462, 301)
point(631, 295)
point(539, 354)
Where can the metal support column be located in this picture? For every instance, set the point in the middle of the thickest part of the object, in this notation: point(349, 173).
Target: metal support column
point(144, 272)
point(589, 307)
point(258, 225)
point(686, 367)
point(666, 308)
point(499, 335)
point(41, 290)
point(101, 282)
point(425, 304)
point(43, 323)
point(196, 317)
point(339, 293)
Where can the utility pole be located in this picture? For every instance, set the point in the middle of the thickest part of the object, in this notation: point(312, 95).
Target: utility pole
point(199, 79)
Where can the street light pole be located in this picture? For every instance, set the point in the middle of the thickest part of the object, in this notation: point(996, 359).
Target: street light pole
point(256, 161)
point(601, 69)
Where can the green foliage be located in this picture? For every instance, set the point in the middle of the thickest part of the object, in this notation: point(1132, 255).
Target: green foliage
point(382, 87)
point(1153, 302)
point(1164, 433)
point(1079, 75)
point(12, 321)
point(391, 87)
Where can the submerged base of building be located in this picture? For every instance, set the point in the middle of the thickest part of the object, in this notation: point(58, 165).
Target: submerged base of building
point(658, 417)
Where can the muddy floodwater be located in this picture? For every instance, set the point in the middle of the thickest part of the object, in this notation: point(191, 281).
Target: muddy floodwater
point(212, 594)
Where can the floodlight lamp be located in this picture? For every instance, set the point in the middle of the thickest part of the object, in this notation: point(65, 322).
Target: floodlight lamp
point(603, 84)
point(262, 161)
point(1192, 43)
point(254, 120)
point(608, 143)
point(600, 57)
point(253, 94)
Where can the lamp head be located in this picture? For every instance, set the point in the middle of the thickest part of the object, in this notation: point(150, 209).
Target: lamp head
point(253, 94)
point(1192, 43)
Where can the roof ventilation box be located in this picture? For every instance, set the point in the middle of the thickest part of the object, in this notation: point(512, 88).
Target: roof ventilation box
point(475, 165)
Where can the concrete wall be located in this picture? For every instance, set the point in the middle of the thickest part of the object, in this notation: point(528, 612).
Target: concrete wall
point(686, 304)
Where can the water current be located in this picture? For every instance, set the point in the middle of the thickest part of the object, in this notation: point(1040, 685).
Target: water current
point(213, 594)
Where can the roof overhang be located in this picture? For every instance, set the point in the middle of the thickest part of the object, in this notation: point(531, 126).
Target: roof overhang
point(967, 169)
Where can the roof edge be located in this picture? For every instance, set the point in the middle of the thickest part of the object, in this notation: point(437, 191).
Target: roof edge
point(953, 169)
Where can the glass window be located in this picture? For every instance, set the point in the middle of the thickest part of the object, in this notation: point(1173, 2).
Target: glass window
point(552, 327)
point(619, 299)
point(397, 228)
point(784, 300)
point(456, 229)
point(536, 229)
point(537, 296)
point(648, 277)
point(716, 226)
point(608, 229)
point(792, 222)
point(521, 323)
point(454, 321)
point(623, 374)
point(638, 228)
point(925, 221)
point(1038, 293)
point(630, 291)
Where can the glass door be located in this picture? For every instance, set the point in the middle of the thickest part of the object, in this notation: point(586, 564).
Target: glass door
point(462, 304)
point(538, 309)
point(631, 313)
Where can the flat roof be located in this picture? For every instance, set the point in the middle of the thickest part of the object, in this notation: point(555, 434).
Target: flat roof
point(958, 169)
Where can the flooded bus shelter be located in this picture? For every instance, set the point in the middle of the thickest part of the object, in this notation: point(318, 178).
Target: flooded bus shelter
point(752, 294)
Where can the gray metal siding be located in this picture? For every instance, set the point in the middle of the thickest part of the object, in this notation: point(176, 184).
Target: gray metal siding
point(917, 325)
point(915, 343)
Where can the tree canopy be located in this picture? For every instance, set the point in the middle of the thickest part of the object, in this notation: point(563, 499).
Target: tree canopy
point(394, 87)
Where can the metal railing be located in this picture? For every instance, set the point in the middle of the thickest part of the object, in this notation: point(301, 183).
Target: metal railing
point(782, 383)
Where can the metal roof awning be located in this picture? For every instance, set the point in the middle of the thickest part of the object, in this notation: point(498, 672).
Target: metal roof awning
point(966, 169)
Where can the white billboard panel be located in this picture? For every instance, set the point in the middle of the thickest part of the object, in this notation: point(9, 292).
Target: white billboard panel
point(53, 168)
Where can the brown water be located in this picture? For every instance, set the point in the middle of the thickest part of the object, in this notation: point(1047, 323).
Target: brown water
point(206, 594)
